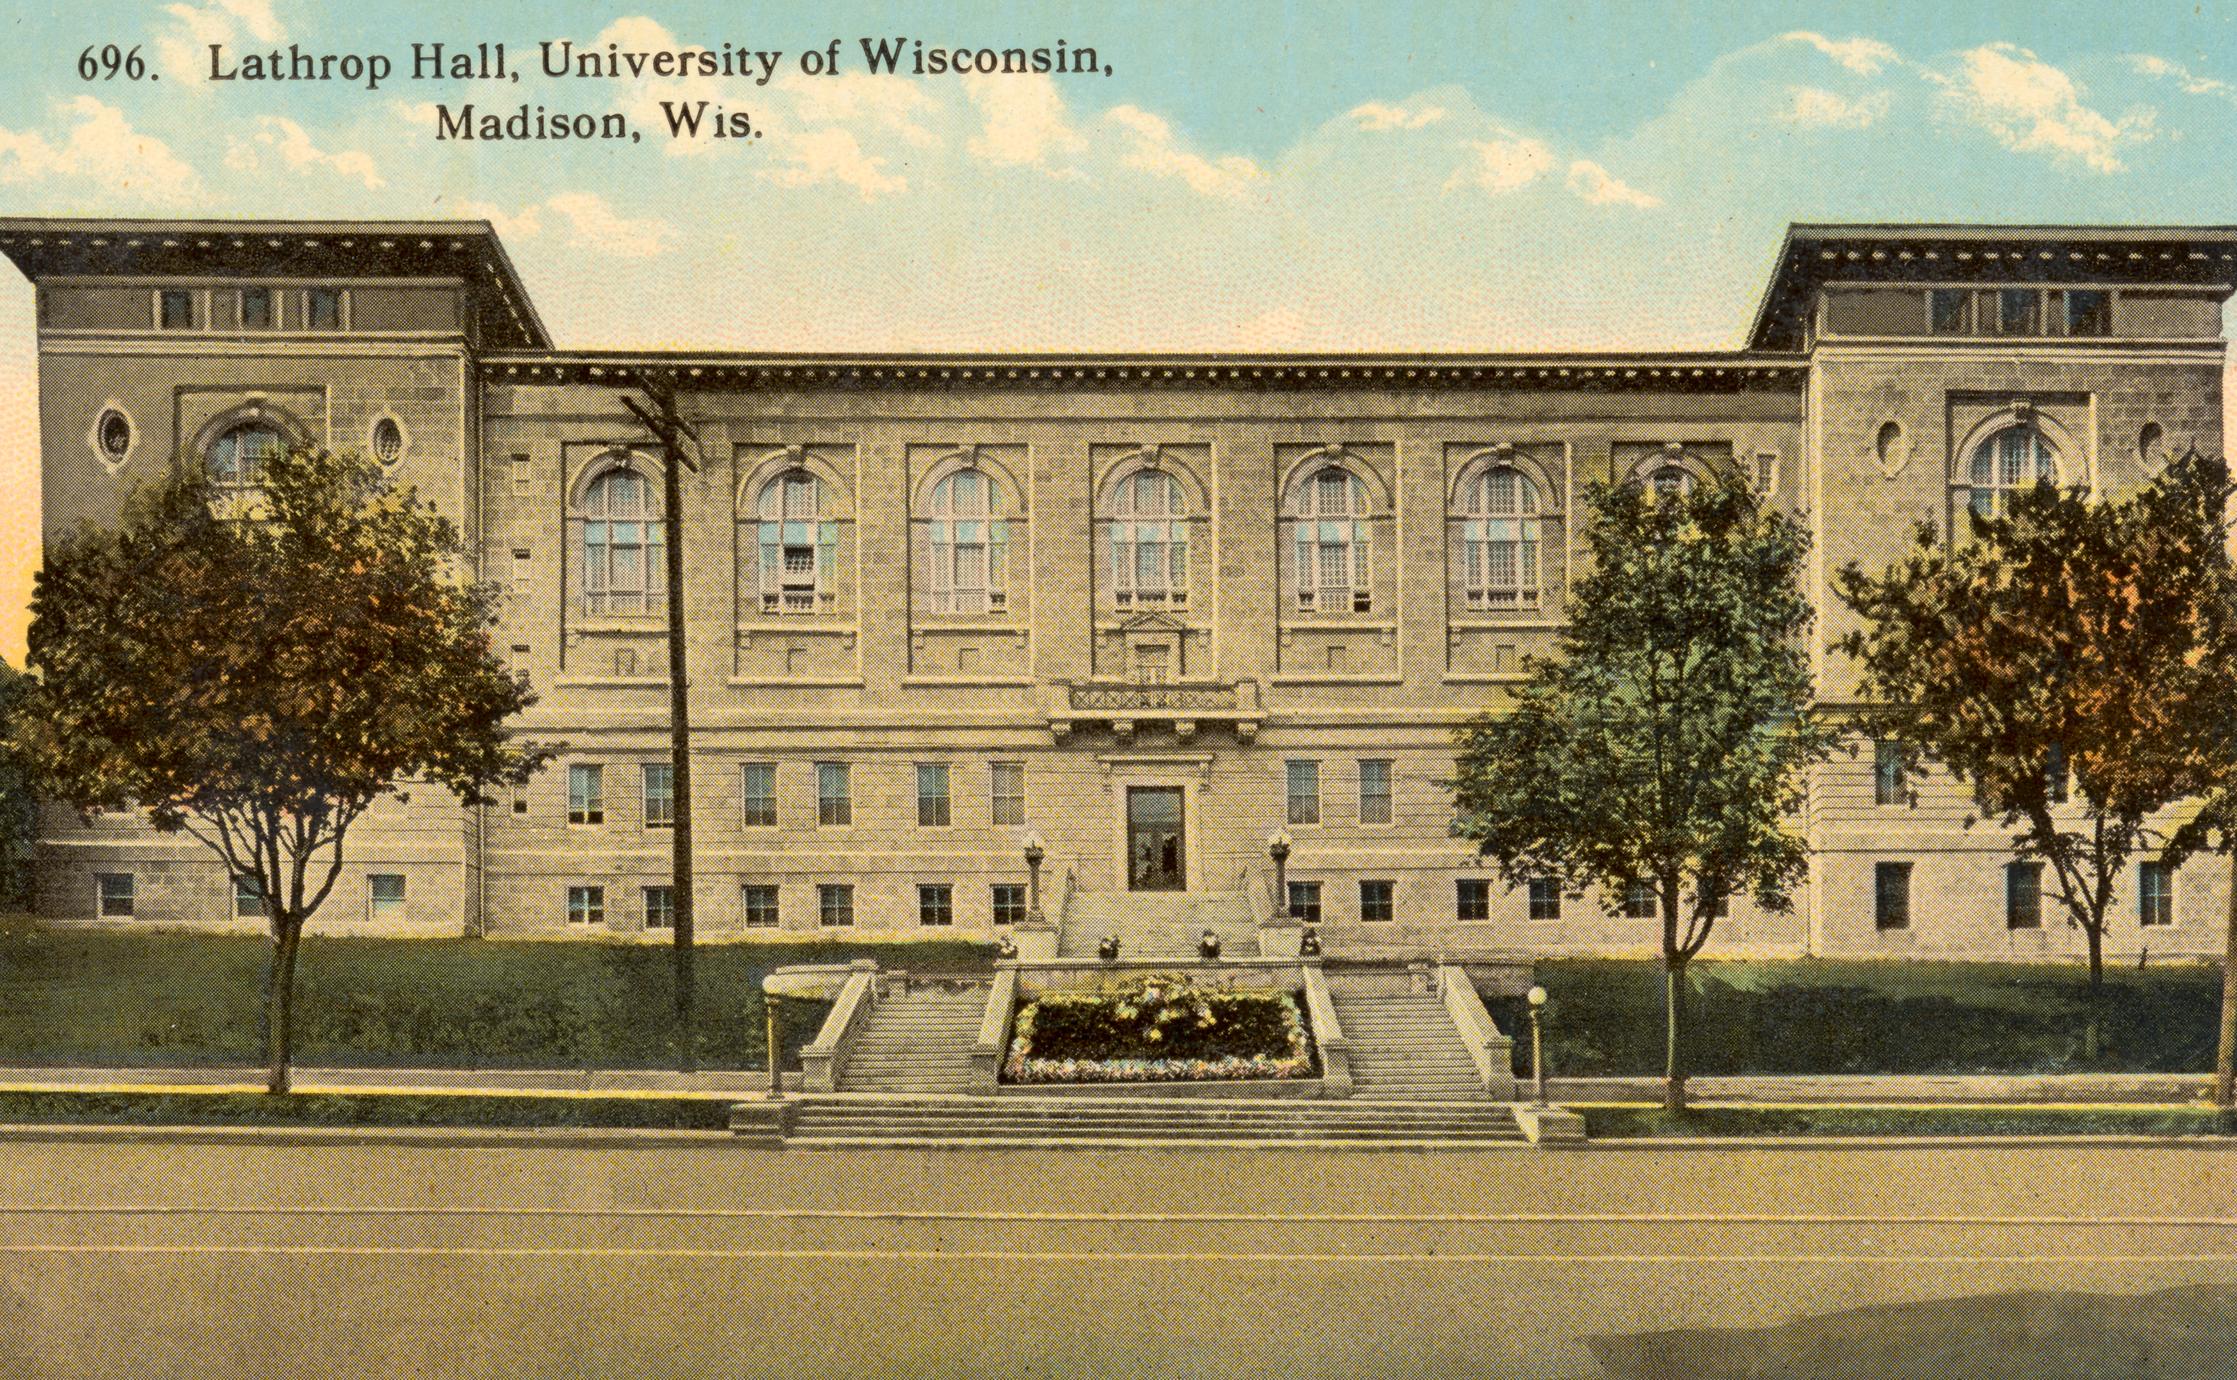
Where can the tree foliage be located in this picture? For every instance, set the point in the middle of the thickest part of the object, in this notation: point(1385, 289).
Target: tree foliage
point(1665, 742)
point(19, 807)
point(258, 675)
point(2070, 639)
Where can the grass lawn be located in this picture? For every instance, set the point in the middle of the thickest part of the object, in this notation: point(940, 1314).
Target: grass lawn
point(118, 997)
point(1813, 1016)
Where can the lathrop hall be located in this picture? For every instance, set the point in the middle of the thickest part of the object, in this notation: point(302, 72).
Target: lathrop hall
point(1148, 615)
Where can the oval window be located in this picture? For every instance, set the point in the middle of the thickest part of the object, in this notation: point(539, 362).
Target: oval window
point(2151, 443)
point(388, 440)
point(115, 432)
point(1889, 445)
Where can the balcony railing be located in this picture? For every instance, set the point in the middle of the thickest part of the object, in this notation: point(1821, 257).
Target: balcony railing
point(1181, 705)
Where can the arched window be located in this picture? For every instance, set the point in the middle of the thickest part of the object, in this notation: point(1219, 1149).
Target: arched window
point(1500, 535)
point(624, 546)
point(2012, 459)
point(236, 458)
point(1149, 540)
point(970, 544)
point(1671, 479)
point(1332, 543)
point(798, 548)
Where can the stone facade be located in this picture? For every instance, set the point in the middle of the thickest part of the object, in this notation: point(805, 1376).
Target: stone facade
point(1071, 586)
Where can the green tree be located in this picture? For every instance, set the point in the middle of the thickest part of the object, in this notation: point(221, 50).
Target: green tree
point(2074, 663)
point(256, 671)
point(19, 808)
point(1665, 744)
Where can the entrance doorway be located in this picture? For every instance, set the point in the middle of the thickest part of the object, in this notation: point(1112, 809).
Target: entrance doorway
point(1154, 860)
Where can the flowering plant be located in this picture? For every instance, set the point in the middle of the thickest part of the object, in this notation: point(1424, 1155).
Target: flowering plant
point(1159, 1027)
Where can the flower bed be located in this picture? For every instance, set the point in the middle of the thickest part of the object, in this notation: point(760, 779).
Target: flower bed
point(1159, 1028)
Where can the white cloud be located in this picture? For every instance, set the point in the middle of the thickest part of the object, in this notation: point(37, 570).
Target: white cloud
point(1504, 164)
point(1026, 123)
point(101, 145)
point(591, 223)
point(1154, 149)
point(182, 49)
point(292, 145)
point(594, 225)
point(1865, 56)
point(834, 154)
point(872, 104)
point(2030, 106)
point(1378, 116)
point(1817, 107)
point(2188, 81)
point(1597, 185)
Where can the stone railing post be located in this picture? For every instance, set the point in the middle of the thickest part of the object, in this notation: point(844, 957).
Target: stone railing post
point(823, 1063)
point(1328, 1033)
point(994, 1032)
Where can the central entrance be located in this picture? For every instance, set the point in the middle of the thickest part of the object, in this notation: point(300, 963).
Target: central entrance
point(1154, 859)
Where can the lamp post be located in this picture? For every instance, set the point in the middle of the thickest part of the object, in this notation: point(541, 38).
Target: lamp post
point(1034, 853)
point(1277, 848)
point(1537, 1047)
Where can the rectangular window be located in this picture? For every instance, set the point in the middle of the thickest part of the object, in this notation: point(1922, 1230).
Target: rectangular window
point(520, 800)
point(1720, 907)
point(1545, 899)
point(323, 310)
point(2023, 896)
point(586, 794)
point(1640, 902)
point(2058, 778)
point(1374, 791)
point(1376, 903)
point(524, 569)
point(660, 795)
point(1888, 784)
point(1891, 895)
point(932, 795)
point(760, 904)
point(385, 893)
point(1009, 903)
point(1947, 307)
point(1007, 780)
point(834, 800)
point(248, 898)
point(936, 905)
point(256, 309)
point(586, 905)
point(1304, 901)
point(2089, 311)
point(2155, 894)
point(524, 476)
point(114, 893)
point(660, 908)
point(2019, 311)
point(1304, 792)
point(1472, 899)
point(835, 904)
point(760, 794)
point(176, 309)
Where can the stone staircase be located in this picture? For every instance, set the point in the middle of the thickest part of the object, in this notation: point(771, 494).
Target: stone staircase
point(841, 1122)
point(917, 1038)
point(1404, 1047)
point(1158, 924)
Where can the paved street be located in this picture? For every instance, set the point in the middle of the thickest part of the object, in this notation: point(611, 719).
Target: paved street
point(231, 1255)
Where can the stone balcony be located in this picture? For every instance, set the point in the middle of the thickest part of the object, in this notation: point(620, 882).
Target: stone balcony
point(1127, 707)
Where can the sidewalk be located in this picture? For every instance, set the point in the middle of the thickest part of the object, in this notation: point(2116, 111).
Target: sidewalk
point(2100, 1090)
point(2047, 1090)
point(731, 1084)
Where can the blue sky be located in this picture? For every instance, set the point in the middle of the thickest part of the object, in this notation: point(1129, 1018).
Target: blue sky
point(1251, 175)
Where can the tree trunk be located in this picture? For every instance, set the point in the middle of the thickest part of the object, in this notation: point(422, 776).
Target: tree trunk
point(2225, 1057)
point(2093, 1029)
point(280, 1002)
point(1674, 1006)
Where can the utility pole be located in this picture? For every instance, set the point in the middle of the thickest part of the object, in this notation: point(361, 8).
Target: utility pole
point(659, 416)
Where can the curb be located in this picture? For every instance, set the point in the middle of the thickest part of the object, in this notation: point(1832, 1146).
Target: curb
point(436, 1137)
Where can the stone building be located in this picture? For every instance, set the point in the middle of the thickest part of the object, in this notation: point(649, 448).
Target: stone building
point(1150, 608)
